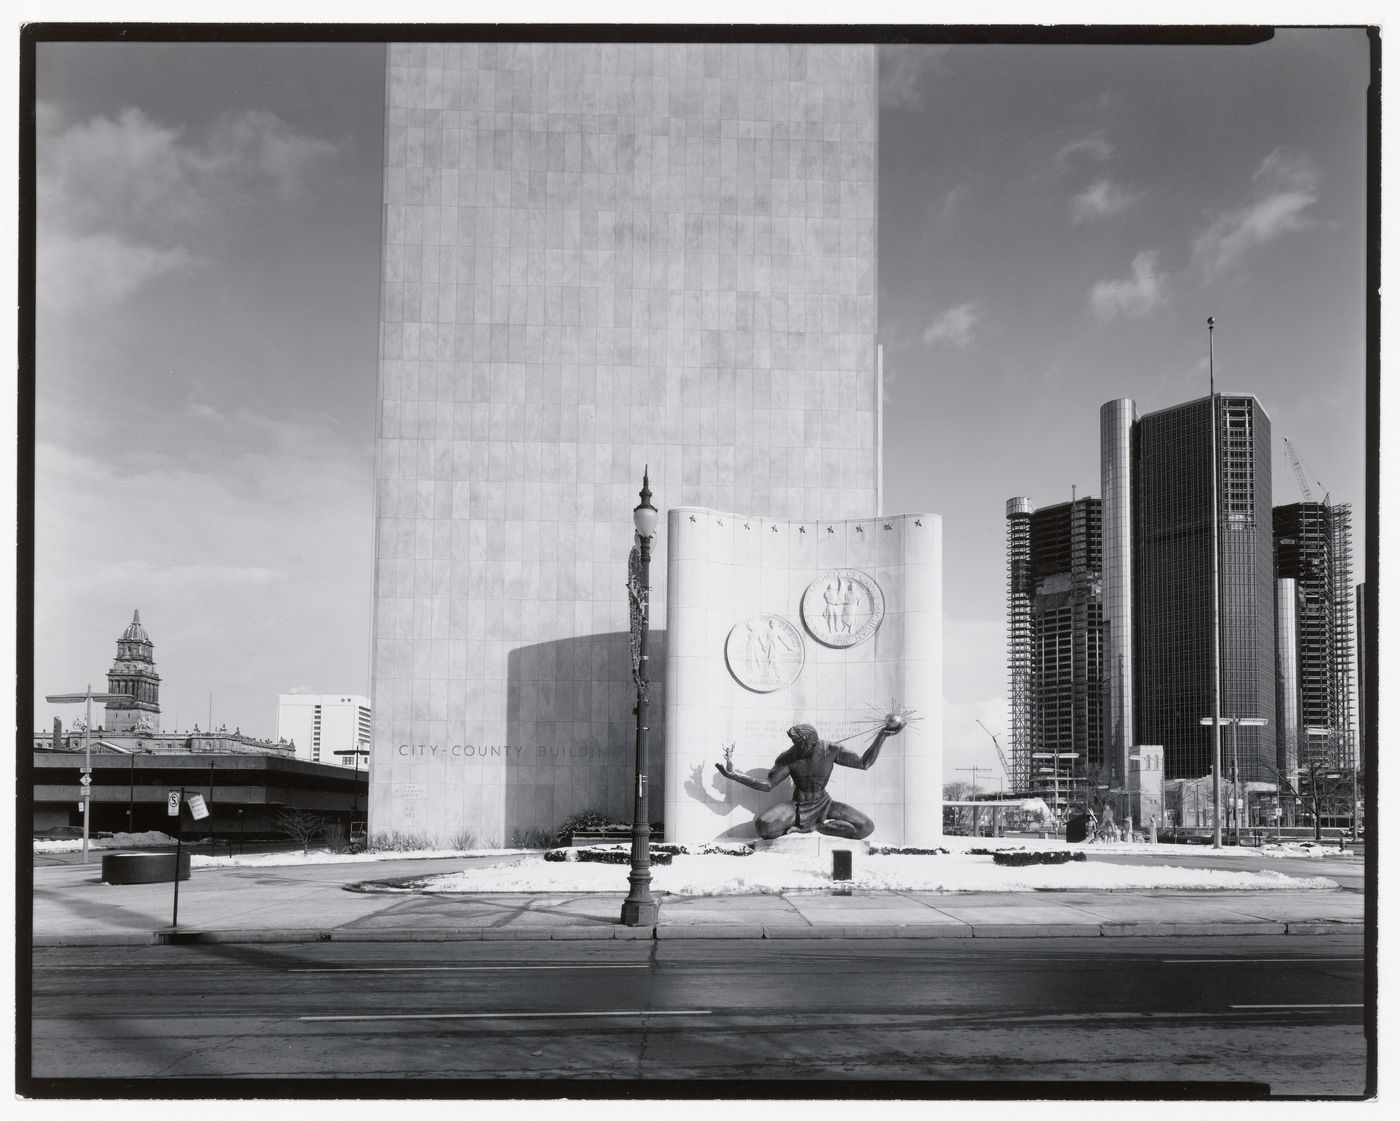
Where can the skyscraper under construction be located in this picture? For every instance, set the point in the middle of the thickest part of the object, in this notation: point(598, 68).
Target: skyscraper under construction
point(1055, 640)
point(1312, 544)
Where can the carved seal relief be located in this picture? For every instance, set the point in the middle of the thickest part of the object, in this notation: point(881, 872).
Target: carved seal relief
point(765, 653)
point(843, 607)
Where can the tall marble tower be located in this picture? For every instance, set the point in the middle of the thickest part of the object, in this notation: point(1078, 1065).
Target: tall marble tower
point(597, 257)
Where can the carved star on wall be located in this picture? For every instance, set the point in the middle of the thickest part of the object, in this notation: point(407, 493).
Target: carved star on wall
point(860, 529)
point(917, 522)
point(888, 526)
point(692, 517)
point(773, 528)
point(746, 525)
point(830, 530)
point(718, 521)
point(802, 529)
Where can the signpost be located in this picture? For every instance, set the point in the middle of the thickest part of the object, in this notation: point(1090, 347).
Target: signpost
point(176, 798)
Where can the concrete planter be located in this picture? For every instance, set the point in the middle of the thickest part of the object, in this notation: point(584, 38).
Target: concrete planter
point(143, 867)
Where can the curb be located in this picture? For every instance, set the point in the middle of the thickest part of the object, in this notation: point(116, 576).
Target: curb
point(1327, 926)
point(715, 931)
point(1190, 929)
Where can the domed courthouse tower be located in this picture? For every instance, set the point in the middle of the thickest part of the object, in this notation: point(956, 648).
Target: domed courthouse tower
point(133, 676)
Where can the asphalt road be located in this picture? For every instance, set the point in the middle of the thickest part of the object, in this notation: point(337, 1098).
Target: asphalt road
point(1283, 1012)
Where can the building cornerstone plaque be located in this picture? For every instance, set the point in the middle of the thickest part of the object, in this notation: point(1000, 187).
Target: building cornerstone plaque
point(843, 608)
point(765, 653)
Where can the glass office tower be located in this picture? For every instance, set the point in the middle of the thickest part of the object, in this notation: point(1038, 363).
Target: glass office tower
point(1172, 602)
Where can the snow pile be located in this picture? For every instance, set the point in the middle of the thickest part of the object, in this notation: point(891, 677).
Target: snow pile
point(325, 856)
point(152, 839)
point(1307, 850)
point(766, 873)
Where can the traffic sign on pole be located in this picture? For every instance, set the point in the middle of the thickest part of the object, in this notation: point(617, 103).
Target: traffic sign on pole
point(198, 810)
point(172, 804)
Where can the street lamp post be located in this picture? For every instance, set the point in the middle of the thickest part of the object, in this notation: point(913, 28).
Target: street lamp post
point(131, 788)
point(639, 908)
point(87, 696)
point(1056, 756)
point(1234, 722)
point(355, 798)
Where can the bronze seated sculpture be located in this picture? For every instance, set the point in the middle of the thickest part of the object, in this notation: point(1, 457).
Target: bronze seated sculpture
point(809, 762)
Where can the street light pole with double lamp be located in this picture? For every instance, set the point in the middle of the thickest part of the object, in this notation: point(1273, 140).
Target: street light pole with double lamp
point(87, 696)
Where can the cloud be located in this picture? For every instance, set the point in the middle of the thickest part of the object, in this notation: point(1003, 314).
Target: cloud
point(958, 325)
point(232, 569)
point(951, 201)
point(1102, 198)
point(904, 74)
point(1095, 147)
point(1284, 187)
point(1132, 296)
point(122, 199)
point(80, 271)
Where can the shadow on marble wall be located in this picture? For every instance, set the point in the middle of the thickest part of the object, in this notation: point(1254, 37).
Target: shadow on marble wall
point(704, 785)
point(570, 712)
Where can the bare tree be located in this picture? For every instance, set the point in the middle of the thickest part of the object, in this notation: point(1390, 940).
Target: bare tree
point(300, 825)
point(1322, 788)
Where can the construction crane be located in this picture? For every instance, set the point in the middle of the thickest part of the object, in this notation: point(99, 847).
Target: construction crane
point(1000, 754)
point(1299, 474)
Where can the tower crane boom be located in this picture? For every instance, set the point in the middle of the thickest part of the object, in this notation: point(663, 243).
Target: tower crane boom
point(1299, 474)
point(1001, 755)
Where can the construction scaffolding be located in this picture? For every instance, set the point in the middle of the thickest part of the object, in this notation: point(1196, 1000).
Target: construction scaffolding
point(1020, 685)
point(1343, 637)
point(1312, 542)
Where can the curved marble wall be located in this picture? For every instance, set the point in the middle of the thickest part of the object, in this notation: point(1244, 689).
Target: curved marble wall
point(735, 676)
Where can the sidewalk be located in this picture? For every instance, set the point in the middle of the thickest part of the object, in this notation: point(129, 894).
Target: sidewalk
point(72, 907)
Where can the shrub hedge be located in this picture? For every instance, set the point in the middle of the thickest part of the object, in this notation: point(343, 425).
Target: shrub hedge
point(1019, 859)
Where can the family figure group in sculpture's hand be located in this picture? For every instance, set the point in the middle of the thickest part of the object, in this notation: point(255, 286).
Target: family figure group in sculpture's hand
point(809, 762)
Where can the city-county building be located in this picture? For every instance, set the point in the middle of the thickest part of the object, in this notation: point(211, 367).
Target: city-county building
point(598, 259)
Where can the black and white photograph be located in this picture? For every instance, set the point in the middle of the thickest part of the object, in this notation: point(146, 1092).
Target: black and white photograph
point(778, 561)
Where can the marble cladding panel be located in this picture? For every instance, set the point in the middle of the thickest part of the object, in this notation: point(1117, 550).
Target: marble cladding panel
point(726, 568)
point(597, 258)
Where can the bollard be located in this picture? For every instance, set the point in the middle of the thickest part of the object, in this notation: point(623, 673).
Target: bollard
point(841, 864)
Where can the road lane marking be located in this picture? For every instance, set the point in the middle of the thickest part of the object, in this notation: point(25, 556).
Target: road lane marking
point(1247, 961)
point(502, 1015)
point(1297, 1006)
point(448, 968)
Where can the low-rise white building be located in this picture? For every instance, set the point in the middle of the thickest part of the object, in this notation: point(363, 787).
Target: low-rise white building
point(320, 724)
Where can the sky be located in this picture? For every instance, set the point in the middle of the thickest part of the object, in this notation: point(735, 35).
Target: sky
point(1056, 223)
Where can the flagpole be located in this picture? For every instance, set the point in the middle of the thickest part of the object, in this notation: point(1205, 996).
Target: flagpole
point(1215, 762)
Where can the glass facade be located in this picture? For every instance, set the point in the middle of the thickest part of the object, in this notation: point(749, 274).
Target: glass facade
point(1172, 601)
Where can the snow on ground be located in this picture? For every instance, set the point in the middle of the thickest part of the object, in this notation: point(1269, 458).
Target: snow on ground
point(768, 873)
point(325, 856)
point(960, 870)
point(153, 839)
